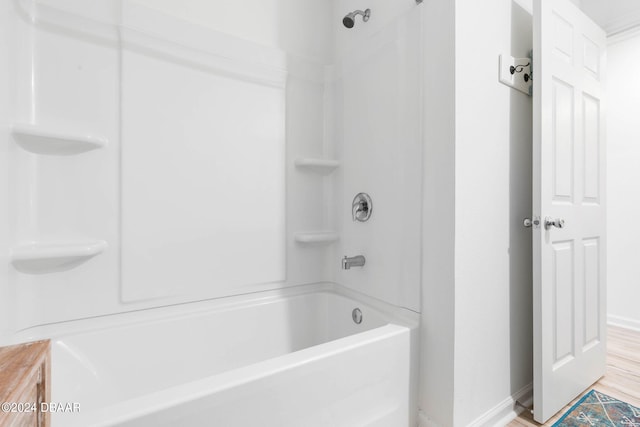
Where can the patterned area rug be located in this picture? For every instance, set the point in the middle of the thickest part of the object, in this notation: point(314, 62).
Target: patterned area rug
point(598, 409)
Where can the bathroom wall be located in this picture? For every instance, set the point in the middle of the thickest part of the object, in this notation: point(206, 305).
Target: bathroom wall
point(623, 201)
point(437, 329)
point(493, 195)
point(194, 192)
point(480, 291)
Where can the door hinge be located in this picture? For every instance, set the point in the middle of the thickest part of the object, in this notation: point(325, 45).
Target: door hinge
point(531, 222)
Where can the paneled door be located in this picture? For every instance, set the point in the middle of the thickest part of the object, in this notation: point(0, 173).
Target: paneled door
point(569, 239)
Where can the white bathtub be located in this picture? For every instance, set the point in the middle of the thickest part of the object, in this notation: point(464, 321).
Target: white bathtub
point(283, 358)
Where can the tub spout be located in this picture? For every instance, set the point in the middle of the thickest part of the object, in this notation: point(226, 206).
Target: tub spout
point(356, 261)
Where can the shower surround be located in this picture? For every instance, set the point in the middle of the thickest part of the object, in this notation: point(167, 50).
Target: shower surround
point(181, 174)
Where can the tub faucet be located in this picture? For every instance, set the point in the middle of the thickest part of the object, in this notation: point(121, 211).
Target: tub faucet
point(356, 261)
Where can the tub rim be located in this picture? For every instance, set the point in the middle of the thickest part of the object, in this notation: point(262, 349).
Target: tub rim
point(55, 331)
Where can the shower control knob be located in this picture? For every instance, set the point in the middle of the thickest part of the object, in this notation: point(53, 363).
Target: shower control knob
point(361, 207)
point(550, 222)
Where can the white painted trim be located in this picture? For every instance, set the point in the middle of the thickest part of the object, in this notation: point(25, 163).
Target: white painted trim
point(629, 22)
point(624, 322)
point(498, 416)
point(623, 35)
point(505, 411)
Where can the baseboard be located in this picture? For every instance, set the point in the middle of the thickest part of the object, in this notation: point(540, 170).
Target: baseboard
point(505, 411)
point(424, 421)
point(624, 322)
point(498, 416)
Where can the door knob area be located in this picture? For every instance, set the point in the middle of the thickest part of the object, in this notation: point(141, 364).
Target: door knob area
point(550, 222)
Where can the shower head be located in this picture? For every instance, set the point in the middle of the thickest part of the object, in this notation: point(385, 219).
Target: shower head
point(350, 19)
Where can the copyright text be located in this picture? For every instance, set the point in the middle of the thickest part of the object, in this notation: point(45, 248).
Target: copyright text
point(42, 407)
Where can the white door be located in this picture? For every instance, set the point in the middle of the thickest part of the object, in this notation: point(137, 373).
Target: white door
point(569, 258)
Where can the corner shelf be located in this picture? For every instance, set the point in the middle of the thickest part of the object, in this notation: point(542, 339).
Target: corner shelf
point(320, 237)
point(50, 257)
point(320, 166)
point(39, 140)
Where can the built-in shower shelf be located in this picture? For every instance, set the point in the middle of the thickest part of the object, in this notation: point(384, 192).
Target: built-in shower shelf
point(49, 257)
point(39, 140)
point(320, 237)
point(321, 166)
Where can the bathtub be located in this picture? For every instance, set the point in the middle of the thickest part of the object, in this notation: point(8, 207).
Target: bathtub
point(281, 358)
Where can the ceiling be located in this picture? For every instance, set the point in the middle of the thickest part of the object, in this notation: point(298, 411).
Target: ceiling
point(614, 16)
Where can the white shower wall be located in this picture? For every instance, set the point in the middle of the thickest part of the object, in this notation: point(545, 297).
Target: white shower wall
point(203, 111)
point(62, 84)
point(195, 192)
point(299, 27)
point(376, 96)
